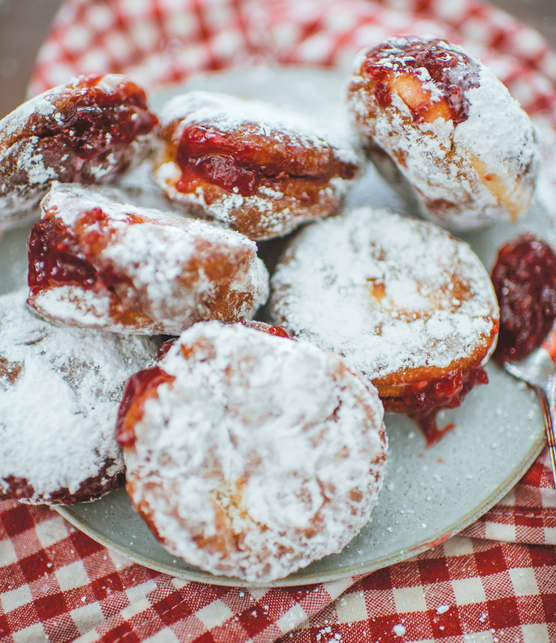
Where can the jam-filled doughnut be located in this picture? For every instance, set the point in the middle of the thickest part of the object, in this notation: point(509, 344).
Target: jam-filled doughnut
point(405, 303)
point(87, 131)
point(60, 389)
point(98, 262)
point(261, 170)
point(251, 455)
point(458, 140)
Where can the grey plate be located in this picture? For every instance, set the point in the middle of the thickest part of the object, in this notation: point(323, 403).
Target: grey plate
point(429, 494)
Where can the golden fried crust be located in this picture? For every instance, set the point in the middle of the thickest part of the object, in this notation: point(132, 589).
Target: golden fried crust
point(86, 131)
point(98, 262)
point(396, 384)
point(259, 177)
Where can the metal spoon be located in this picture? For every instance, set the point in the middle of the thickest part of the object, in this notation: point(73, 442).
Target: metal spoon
point(539, 371)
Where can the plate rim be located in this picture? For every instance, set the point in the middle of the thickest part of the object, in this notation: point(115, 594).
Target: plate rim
point(293, 580)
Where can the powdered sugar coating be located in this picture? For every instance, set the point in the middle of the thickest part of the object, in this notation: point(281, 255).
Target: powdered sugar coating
point(174, 271)
point(60, 389)
point(261, 456)
point(279, 207)
point(390, 294)
point(28, 160)
point(231, 114)
point(276, 213)
point(15, 122)
point(465, 175)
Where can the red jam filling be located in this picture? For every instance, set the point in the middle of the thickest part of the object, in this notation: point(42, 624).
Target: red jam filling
point(165, 347)
point(524, 278)
point(278, 331)
point(207, 154)
point(423, 400)
point(452, 72)
point(210, 155)
point(57, 257)
point(99, 120)
point(139, 388)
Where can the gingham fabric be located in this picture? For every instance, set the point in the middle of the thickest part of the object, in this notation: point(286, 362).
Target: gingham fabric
point(496, 581)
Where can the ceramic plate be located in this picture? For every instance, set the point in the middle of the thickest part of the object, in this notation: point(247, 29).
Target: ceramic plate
point(429, 494)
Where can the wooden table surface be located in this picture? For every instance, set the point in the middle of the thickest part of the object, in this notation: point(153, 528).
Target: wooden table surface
point(24, 25)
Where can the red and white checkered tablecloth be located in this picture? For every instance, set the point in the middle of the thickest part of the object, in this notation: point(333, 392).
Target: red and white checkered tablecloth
point(495, 582)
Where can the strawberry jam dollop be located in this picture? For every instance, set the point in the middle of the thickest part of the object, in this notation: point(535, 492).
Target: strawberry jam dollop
point(524, 278)
point(52, 259)
point(59, 256)
point(206, 153)
point(241, 165)
point(95, 119)
point(421, 61)
point(139, 388)
point(422, 401)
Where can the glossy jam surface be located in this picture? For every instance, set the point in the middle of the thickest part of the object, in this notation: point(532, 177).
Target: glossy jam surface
point(139, 388)
point(213, 156)
point(278, 331)
point(263, 327)
point(58, 256)
point(165, 347)
point(524, 278)
point(423, 400)
point(53, 260)
point(451, 71)
point(240, 164)
point(97, 119)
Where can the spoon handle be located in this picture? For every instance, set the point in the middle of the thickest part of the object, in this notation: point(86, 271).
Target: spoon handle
point(547, 400)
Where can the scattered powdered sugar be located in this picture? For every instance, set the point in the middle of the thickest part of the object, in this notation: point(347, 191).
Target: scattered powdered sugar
point(447, 165)
point(387, 292)
point(75, 306)
point(60, 389)
point(32, 163)
point(229, 114)
point(162, 260)
point(262, 455)
point(399, 629)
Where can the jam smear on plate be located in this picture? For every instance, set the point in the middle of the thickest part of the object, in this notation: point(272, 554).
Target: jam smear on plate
point(524, 278)
point(423, 401)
